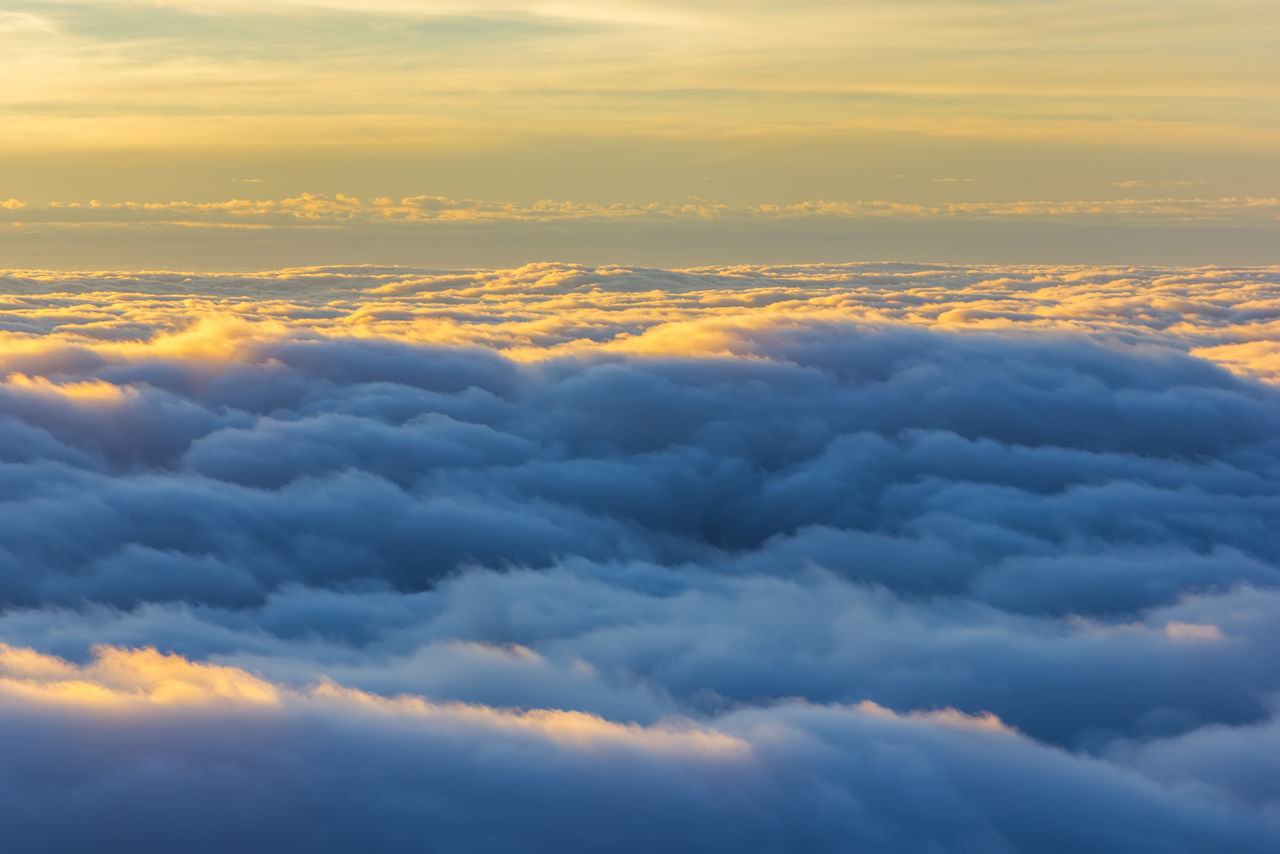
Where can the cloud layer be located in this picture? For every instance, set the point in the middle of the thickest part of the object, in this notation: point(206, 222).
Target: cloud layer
point(319, 210)
point(873, 557)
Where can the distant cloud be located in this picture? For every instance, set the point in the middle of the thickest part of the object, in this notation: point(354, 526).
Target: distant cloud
point(322, 210)
point(1156, 183)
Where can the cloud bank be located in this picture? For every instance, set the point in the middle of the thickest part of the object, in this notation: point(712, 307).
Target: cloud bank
point(320, 210)
point(867, 557)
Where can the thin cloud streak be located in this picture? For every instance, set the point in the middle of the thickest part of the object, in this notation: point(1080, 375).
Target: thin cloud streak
point(323, 209)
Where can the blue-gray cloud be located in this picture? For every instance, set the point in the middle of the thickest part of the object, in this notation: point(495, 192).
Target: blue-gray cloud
point(1052, 555)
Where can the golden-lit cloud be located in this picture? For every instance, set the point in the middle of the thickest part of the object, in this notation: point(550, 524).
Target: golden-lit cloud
point(545, 311)
point(322, 210)
point(124, 678)
point(259, 233)
point(143, 680)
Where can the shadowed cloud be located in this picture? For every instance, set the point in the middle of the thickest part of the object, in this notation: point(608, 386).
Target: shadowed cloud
point(882, 557)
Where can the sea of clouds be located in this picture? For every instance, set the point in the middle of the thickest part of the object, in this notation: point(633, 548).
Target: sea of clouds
point(884, 558)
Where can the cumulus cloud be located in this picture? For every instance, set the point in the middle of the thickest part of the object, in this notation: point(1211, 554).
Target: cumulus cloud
point(885, 557)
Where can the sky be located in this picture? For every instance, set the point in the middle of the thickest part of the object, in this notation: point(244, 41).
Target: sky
point(225, 135)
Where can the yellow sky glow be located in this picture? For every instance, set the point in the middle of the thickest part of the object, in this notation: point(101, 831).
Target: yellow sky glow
point(635, 103)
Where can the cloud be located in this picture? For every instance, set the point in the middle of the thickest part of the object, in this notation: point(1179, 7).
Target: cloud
point(467, 776)
point(1140, 182)
point(894, 557)
point(319, 210)
point(541, 311)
